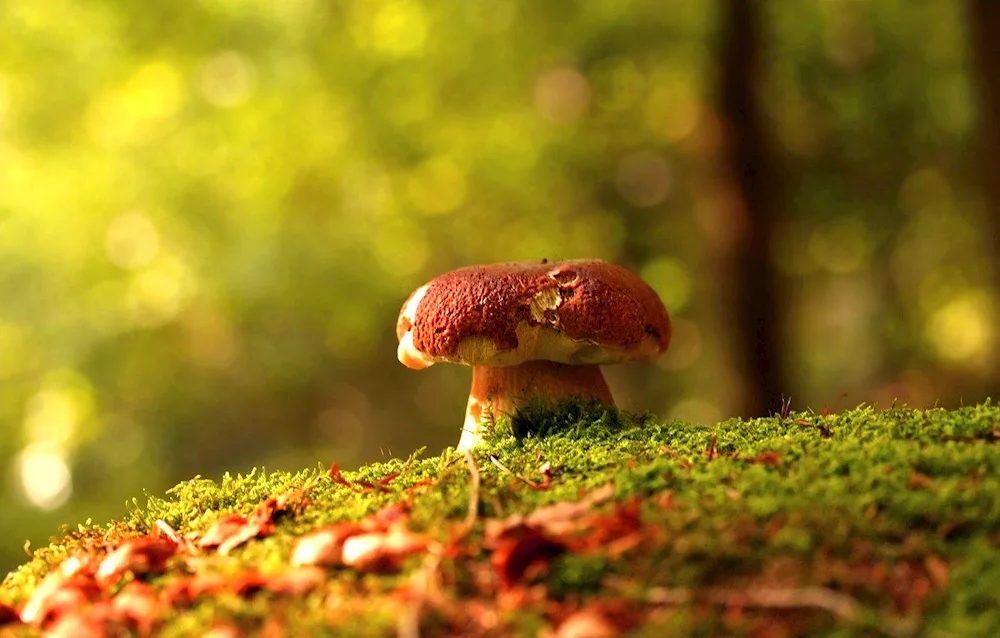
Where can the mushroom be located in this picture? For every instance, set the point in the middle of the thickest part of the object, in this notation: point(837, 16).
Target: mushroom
point(531, 330)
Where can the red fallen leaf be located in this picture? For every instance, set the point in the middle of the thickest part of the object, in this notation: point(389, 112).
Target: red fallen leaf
point(138, 605)
point(184, 544)
point(8, 615)
point(76, 592)
point(766, 458)
point(587, 623)
point(666, 499)
point(231, 531)
point(919, 481)
point(137, 555)
point(221, 530)
point(385, 480)
point(247, 583)
point(185, 591)
point(86, 622)
point(421, 483)
point(296, 581)
point(546, 471)
point(381, 551)
point(521, 548)
point(70, 585)
point(712, 453)
point(323, 546)
point(937, 569)
point(559, 518)
point(388, 515)
point(245, 533)
point(618, 532)
point(337, 477)
point(223, 631)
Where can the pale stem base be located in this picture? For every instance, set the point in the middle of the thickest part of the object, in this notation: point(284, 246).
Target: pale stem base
point(506, 388)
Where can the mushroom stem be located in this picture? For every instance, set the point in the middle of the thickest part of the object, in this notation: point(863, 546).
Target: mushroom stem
point(504, 388)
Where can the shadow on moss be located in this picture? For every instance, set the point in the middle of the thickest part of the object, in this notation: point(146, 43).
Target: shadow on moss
point(572, 417)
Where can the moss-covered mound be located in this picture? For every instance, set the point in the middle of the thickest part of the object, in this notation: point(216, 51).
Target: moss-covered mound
point(587, 523)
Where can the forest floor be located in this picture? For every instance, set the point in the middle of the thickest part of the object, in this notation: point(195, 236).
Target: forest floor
point(586, 523)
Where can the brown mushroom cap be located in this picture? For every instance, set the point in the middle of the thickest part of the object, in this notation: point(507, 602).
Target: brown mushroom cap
point(581, 311)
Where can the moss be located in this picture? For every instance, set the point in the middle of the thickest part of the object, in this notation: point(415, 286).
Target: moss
point(896, 511)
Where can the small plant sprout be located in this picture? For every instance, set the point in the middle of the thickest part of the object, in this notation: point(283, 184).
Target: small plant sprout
point(531, 331)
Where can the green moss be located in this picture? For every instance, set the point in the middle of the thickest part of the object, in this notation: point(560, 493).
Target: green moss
point(897, 509)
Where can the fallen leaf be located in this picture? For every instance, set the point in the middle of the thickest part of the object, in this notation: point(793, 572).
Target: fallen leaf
point(144, 555)
point(518, 549)
point(8, 615)
point(766, 458)
point(562, 517)
point(382, 551)
point(712, 453)
point(323, 546)
point(92, 622)
point(587, 624)
point(69, 585)
point(385, 480)
point(296, 581)
point(245, 533)
point(184, 544)
point(336, 476)
point(72, 594)
point(138, 605)
point(247, 584)
point(919, 481)
point(222, 530)
point(937, 569)
point(232, 530)
point(184, 591)
point(223, 631)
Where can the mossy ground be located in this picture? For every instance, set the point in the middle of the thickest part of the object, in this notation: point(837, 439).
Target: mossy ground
point(871, 522)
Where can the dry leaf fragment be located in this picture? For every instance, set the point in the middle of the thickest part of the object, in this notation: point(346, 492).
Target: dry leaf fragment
point(587, 623)
point(138, 605)
point(937, 569)
point(93, 622)
point(712, 452)
point(296, 581)
point(184, 591)
point(232, 530)
point(919, 481)
point(184, 544)
point(336, 476)
point(766, 458)
point(222, 530)
point(565, 516)
point(323, 546)
point(521, 548)
point(137, 555)
point(8, 615)
point(223, 631)
point(50, 598)
point(382, 551)
point(242, 535)
point(247, 584)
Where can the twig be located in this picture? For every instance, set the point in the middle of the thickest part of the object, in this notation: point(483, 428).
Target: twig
point(840, 605)
point(503, 468)
point(532, 484)
point(425, 585)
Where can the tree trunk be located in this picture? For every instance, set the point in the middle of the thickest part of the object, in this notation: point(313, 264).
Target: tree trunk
point(984, 32)
point(754, 298)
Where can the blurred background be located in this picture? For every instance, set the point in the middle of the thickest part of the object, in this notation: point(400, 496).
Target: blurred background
point(211, 212)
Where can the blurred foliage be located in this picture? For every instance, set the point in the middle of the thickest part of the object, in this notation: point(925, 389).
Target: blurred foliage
point(211, 212)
